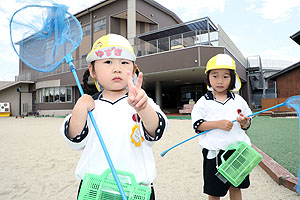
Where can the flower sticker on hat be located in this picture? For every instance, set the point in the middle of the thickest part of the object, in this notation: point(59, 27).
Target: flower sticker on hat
point(98, 45)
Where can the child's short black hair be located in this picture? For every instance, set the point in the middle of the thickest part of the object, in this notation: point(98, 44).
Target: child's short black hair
point(232, 80)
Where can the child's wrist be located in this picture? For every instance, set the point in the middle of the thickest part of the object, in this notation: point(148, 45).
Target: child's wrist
point(142, 108)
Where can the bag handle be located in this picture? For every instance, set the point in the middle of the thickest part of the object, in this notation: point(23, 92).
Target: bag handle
point(127, 177)
point(230, 147)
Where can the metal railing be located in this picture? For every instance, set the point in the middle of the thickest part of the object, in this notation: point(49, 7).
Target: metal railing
point(63, 68)
point(183, 40)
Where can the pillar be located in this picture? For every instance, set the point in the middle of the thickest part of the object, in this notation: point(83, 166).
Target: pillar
point(131, 21)
point(158, 99)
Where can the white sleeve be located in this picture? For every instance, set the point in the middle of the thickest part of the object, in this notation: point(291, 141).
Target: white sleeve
point(163, 122)
point(198, 111)
point(198, 114)
point(80, 143)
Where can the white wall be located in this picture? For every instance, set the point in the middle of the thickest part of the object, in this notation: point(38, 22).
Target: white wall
point(12, 96)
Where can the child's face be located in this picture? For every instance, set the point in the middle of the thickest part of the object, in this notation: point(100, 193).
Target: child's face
point(112, 73)
point(220, 80)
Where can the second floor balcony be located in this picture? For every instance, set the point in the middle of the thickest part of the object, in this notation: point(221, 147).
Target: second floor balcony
point(200, 32)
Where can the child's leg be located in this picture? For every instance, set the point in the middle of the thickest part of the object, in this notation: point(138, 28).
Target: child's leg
point(213, 197)
point(235, 193)
point(213, 186)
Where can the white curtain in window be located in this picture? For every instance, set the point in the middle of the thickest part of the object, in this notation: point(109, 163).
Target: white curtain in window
point(51, 94)
point(62, 94)
point(69, 94)
point(56, 93)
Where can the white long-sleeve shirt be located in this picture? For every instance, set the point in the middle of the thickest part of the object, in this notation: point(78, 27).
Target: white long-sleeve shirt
point(208, 108)
point(117, 124)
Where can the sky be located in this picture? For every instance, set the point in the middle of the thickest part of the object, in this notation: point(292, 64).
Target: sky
point(257, 27)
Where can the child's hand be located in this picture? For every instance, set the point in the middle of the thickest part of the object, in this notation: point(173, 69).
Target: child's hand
point(137, 97)
point(243, 120)
point(79, 114)
point(225, 125)
point(85, 103)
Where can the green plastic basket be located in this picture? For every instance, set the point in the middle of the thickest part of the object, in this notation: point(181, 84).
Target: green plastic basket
point(104, 187)
point(240, 163)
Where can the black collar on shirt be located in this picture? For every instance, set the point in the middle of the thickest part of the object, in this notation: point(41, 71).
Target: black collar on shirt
point(99, 96)
point(209, 96)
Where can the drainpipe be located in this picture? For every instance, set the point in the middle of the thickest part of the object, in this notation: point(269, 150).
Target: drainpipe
point(20, 100)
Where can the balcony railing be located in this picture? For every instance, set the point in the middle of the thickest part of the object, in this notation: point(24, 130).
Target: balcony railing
point(63, 68)
point(183, 40)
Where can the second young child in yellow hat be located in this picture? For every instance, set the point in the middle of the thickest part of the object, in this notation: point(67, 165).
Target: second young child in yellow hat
point(216, 110)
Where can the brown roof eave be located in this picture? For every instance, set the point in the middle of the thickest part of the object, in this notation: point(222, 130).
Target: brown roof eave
point(93, 7)
point(285, 70)
point(296, 37)
point(15, 83)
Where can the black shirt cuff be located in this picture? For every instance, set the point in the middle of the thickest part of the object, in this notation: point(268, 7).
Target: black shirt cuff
point(79, 137)
point(197, 124)
point(159, 130)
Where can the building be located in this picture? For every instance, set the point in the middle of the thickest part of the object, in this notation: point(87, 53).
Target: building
point(171, 54)
point(287, 81)
point(285, 85)
point(259, 71)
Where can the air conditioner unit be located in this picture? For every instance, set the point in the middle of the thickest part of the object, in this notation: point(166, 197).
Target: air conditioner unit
point(5, 109)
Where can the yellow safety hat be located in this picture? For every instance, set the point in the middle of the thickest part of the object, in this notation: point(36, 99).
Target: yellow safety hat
point(224, 61)
point(111, 46)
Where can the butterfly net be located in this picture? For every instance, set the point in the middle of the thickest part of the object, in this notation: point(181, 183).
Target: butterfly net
point(43, 35)
point(294, 102)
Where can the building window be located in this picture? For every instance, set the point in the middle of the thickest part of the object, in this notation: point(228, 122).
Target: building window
point(54, 95)
point(51, 94)
point(62, 94)
point(191, 92)
point(69, 94)
point(46, 95)
point(84, 63)
point(86, 30)
point(99, 25)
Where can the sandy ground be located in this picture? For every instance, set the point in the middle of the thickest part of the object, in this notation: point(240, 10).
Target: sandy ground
point(36, 163)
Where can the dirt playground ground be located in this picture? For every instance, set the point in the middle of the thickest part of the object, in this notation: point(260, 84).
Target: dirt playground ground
point(36, 163)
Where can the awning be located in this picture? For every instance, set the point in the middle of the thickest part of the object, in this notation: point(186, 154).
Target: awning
point(204, 24)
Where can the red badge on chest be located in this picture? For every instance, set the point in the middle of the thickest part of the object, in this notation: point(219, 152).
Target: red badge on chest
point(136, 118)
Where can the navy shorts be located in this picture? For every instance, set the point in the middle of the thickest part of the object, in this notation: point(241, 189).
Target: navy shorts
point(212, 184)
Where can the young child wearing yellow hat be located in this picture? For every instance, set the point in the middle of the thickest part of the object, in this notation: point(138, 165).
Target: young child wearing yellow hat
point(129, 121)
point(216, 110)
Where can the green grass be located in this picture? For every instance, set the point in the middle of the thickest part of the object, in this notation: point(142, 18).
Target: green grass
point(179, 117)
point(278, 138)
